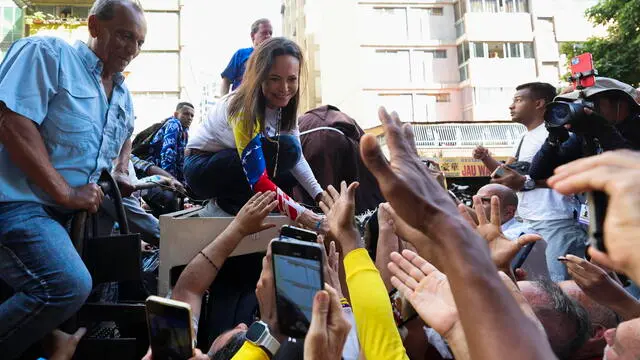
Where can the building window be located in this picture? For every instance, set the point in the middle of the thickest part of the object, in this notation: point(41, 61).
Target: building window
point(441, 98)
point(11, 27)
point(463, 72)
point(459, 9)
point(436, 11)
point(494, 6)
point(514, 50)
point(496, 50)
point(528, 50)
point(477, 49)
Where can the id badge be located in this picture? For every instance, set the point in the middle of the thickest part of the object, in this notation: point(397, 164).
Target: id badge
point(584, 214)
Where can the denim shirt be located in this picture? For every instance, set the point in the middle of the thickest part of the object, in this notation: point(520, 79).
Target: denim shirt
point(58, 87)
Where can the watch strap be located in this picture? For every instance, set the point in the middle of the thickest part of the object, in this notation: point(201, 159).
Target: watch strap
point(270, 343)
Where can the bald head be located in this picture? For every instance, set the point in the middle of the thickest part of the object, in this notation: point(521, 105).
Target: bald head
point(508, 200)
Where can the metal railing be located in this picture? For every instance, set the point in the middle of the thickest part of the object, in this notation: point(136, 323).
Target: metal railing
point(465, 135)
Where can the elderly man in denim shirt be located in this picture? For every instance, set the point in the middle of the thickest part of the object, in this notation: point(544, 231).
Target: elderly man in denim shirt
point(65, 116)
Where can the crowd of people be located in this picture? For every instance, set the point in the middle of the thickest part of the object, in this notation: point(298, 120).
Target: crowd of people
point(512, 277)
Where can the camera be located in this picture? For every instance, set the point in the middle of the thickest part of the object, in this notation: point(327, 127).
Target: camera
point(560, 113)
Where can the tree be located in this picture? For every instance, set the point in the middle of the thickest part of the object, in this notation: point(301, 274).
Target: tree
point(618, 54)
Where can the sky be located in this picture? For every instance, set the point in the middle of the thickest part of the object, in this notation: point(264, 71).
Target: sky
point(212, 30)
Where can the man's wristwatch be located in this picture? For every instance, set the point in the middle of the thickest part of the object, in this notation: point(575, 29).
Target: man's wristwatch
point(259, 335)
point(529, 183)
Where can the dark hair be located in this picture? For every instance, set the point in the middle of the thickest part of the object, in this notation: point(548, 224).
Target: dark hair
point(248, 103)
point(183, 104)
point(106, 9)
point(371, 231)
point(256, 25)
point(231, 348)
point(566, 322)
point(540, 90)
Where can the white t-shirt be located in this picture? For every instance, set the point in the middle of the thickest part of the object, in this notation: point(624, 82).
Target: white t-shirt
point(541, 203)
point(215, 133)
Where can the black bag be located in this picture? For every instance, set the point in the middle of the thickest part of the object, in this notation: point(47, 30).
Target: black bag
point(522, 167)
point(142, 141)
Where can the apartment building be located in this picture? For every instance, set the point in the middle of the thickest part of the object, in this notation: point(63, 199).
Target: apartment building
point(433, 61)
point(154, 77)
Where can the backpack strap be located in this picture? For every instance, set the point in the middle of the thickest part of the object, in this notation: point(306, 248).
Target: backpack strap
point(519, 147)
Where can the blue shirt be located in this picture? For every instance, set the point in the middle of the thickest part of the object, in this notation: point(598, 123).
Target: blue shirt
point(58, 87)
point(236, 67)
point(167, 147)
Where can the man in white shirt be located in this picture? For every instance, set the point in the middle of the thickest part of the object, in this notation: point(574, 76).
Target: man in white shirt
point(549, 213)
point(536, 262)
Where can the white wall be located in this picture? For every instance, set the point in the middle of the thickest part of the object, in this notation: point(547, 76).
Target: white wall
point(498, 27)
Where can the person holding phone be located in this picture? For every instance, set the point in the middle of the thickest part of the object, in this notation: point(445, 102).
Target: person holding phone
point(252, 138)
point(203, 269)
point(547, 212)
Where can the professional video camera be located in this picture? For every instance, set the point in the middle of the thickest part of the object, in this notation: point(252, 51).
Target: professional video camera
point(562, 115)
point(561, 112)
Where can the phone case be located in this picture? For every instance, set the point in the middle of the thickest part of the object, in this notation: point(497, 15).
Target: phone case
point(583, 64)
point(179, 306)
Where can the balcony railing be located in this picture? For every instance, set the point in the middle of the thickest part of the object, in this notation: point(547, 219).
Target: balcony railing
point(438, 136)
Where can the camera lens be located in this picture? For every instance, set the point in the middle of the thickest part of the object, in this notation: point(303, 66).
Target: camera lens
point(557, 114)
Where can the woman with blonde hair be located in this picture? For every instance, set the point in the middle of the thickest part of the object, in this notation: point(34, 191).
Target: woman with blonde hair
point(251, 142)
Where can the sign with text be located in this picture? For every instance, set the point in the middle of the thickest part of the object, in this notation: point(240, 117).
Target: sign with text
point(465, 167)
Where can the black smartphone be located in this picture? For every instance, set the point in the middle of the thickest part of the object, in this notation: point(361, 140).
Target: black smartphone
point(171, 334)
point(403, 312)
point(292, 232)
point(298, 274)
point(521, 256)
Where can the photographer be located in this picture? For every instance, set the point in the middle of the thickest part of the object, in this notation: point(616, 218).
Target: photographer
point(614, 120)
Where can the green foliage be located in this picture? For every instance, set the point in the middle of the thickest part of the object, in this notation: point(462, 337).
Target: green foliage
point(618, 54)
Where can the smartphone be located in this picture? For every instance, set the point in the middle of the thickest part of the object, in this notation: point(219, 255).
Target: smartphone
point(298, 274)
point(521, 256)
point(292, 232)
point(403, 312)
point(582, 72)
point(170, 325)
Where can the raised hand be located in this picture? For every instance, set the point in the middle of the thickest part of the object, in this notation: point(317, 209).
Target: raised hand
point(599, 286)
point(480, 152)
point(406, 182)
point(250, 218)
point(428, 291)
point(331, 265)
point(328, 330)
point(616, 173)
point(502, 249)
point(340, 211)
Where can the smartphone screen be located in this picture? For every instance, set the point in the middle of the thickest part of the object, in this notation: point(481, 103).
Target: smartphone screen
point(298, 277)
point(170, 331)
point(292, 232)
